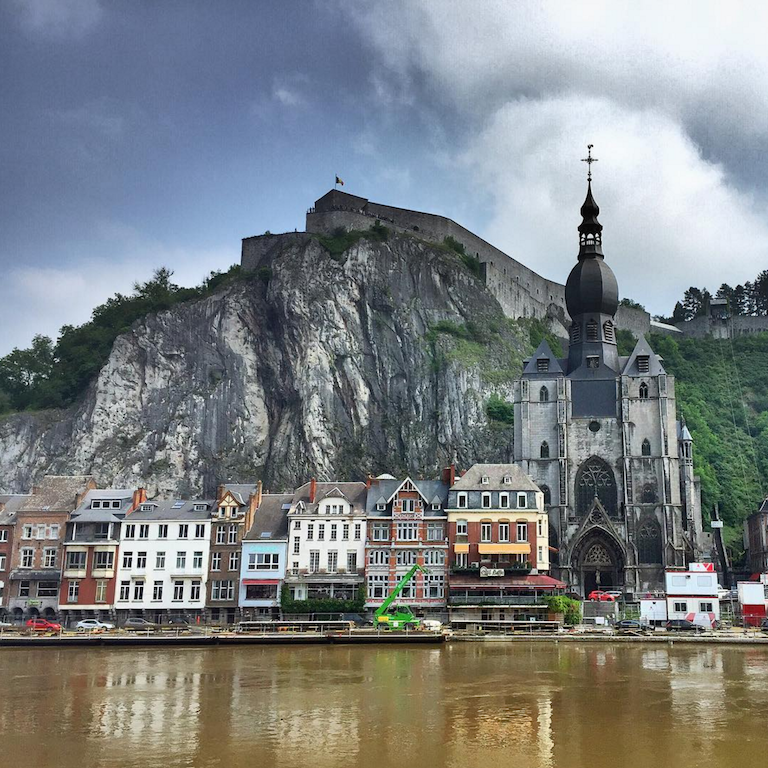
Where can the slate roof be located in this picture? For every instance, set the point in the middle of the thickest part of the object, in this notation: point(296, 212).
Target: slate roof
point(56, 493)
point(433, 491)
point(271, 518)
point(169, 510)
point(471, 480)
point(84, 513)
point(543, 352)
point(654, 361)
point(241, 491)
point(10, 504)
point(354, 493)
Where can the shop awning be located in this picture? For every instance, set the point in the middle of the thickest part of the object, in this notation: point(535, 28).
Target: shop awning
point(504, 549)
point(461, 548)
point(260, 582)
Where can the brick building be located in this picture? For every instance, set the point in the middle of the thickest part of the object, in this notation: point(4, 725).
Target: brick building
point(36, 552)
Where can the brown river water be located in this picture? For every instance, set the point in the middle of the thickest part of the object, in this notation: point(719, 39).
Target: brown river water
point(464, 704)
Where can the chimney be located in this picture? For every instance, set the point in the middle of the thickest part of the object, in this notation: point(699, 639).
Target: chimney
point(257, 496)
point(449, 474)
point(220, 493)
point(369, 480)
point(312, 490)
point(139, 497)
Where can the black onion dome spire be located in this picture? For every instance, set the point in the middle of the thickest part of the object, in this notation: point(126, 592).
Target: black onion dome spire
point(590, 229)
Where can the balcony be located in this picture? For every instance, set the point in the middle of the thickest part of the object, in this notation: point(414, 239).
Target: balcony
point(510, 569)
point(510, 600)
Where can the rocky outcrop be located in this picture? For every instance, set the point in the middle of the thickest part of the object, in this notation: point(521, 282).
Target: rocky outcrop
point(383, 358)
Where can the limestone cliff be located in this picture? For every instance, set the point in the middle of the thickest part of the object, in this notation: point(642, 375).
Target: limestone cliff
point(380, 359)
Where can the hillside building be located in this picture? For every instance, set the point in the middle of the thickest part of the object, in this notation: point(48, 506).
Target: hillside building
point(598, 433)
point(756, 539)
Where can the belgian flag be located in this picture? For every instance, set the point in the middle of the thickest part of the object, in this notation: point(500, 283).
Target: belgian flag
point(339, 181)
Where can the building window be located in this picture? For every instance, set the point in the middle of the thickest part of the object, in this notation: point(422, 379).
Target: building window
point(503, 531)
point(649, 548)
point(234, 561)
point(310, 532)
point(130, 531)
point(24, 587)
point(160, 561)
point(101, 591)
point(543, 395)
point(3, 535)
point(181, 561)
point(544, 450)
point(461, 500)
point(296, 545)
point(435, 532)
point(297, 525)
point(321, 531)
point(2, 568)
point(351, 562)
point(138, 590)
point(593, 361)
point(334, 528)
point(646, 448)
point(333, 562)
point(125, 590)
point(595, 478)
point(358, 531)
point(504, 500)
point(377, 586)
point(547, 495)
point(314, 561)
point(26, 532)
point(73, 591)
point(141, 561)
point(103, 531)
point(541, 553)
point(542, 365)
point(50, 556)
point(221, 534)
point(380, 532)
point(48, 588)
point(162, 531)
point(194, 591)
point(408, 506)
point(705, 607)
point(197, 560)
point(461, 527)
point(27, 557)
point(485, 532)
point(485, 480)
point(378, 557)
point(643, 364)
point(143, 531)
point(460, 560)
point(407, 531)
point(216, 561)
point(643, 391)
point(184, 531)
point(522, 501)
point(204, 507)
point(263, 561)
point(380, 506)
point(232, 536)
point(157, 591)
point(178, 591)
point(222, 590)
point(434, 557)
point(435, 586)
point(522, 531)
point(200, 531)
point(486, 500)
point(681, 607)
point(406, 557)
point(345, 532)
point(103, 561)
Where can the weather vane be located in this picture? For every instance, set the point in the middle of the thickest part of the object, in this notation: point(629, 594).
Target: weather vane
point(589, 160)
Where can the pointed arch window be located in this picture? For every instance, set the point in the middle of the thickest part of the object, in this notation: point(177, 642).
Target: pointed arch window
point(595, 478)
point(592, 330)
point(646, 447)
point(649, 542)
point(649, 494)
point(643, 391)
point(608, 331)
point(544, 450)
point(543, 395)
point(547, 495)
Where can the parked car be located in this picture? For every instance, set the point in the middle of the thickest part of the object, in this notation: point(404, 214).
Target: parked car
point(136, 624)
point(764, 625)
point(90, 625)
point(617, 594)
point(682, 625)
point(43, 625)
point(629, 625)
point(601, 596)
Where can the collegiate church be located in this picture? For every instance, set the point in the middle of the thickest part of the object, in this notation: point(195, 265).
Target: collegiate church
point(598, 432)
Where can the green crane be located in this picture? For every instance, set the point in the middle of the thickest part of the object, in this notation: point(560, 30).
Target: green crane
point(391, 616)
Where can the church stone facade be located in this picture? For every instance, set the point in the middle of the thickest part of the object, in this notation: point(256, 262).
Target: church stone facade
point(598, 432)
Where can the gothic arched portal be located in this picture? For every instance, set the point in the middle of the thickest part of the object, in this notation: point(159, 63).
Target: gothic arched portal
point(595, 478)
point(599, 562)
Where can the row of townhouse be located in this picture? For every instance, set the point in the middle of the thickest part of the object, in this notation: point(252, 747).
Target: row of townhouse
point(482, 538)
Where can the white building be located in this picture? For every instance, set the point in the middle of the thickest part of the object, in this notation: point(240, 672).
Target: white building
point(163, 560)
point(326, 546)
point(693, 594)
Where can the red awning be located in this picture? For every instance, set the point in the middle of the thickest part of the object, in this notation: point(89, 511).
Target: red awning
point(260, 582)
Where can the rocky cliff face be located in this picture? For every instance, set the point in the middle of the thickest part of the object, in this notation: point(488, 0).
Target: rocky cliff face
point(382, 359)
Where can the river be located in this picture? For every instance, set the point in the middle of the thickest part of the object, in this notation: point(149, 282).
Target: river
point(463, 704)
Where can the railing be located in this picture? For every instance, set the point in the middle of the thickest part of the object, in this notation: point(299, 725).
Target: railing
point(496, 600)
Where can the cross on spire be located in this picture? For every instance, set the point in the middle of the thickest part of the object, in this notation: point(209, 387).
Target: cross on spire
point(589, 160)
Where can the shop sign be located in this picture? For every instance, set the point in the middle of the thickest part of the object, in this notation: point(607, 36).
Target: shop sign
point(486, 572)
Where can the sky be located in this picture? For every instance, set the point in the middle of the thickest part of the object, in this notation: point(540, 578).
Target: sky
point(135, 135)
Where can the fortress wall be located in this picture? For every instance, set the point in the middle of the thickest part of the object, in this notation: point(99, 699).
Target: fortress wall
point(638, 321)
point(738, 325)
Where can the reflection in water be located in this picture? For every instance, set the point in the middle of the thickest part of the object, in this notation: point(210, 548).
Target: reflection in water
point(538, 705)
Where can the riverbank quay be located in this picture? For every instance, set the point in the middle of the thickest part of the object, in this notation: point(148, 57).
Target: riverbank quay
point(606, 638)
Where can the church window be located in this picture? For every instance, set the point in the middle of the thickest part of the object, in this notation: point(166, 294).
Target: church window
point(643, 363)
point(592, 330)
point(544, 451)
point(646, 449)
point(575, 333)
point(547, 495)
point(542, 365)
point(595, 479)
point(608, 330)
point(593, 361)
point(649, 542)
point(643, 391)
point(597, 555)
point(543, 395)
point(649, 494)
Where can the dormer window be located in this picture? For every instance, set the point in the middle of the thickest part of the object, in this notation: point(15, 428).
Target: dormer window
point(435, 506)
point(643, 363)
point(507, 480)
point(381, 507)
point(96, 504)
point(200, 507)
point(485, 480)
point(542, 365)
point(146, 507)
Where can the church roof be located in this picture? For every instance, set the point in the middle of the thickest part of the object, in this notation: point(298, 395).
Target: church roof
point(543, 352)
point(643, 349)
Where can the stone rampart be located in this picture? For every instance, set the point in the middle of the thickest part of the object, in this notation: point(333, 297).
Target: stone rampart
point(256, 248)
point(723, 328)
